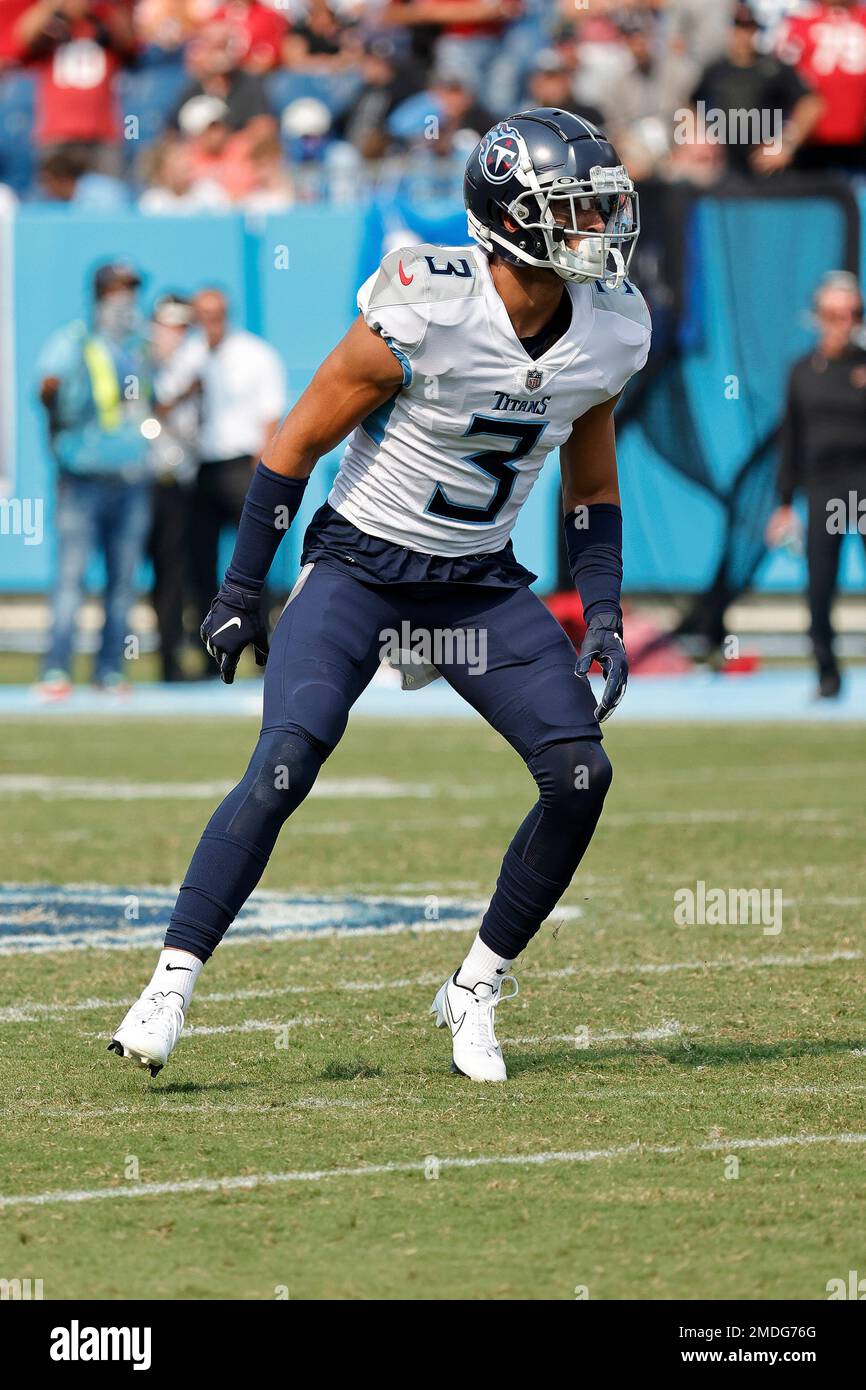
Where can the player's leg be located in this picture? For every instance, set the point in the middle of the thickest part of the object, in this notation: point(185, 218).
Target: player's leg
point(205, 521)
point(123, 526)
point(76, 535)
point(520, 677)
point(166, 549)
point(324, 652)
point(823, 548)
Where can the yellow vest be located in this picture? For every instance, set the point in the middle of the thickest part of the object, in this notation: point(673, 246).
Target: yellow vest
point(104, 384)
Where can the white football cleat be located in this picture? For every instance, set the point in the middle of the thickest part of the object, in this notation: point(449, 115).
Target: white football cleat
point(149, 1031)
point(469, 1015)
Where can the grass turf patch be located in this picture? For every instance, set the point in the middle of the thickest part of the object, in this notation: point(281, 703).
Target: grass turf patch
point(750, 1036)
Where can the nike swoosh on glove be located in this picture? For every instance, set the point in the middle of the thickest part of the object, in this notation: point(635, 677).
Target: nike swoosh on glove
point(232, 622)
point(603, 643)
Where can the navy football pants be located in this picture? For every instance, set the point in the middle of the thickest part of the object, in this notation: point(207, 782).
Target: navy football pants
point(515, 666)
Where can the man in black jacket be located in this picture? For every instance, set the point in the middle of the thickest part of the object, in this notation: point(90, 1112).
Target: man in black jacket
point(824, 454)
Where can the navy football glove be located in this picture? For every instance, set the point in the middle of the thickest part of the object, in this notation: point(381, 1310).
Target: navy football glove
point(233, 621)
point(603, 643)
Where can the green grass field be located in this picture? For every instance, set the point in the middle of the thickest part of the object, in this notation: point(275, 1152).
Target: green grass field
point(749, 1037)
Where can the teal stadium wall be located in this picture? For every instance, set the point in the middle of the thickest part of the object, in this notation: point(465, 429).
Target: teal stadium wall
point(753, 267)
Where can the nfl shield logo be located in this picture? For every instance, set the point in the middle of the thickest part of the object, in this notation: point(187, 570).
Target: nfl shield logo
point(533, 379)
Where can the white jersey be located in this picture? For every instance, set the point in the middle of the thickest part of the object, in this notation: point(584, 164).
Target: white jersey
point(445, 465)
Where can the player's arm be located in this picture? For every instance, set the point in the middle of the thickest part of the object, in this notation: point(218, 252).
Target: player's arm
point(593, 537)
point(359, 375)
point(587, 460)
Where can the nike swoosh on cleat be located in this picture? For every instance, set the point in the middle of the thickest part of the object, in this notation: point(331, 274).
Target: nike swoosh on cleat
point(232, 622)
point(455, 1024)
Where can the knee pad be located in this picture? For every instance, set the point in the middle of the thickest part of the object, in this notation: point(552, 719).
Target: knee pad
point(281, 772)
point(572, 777)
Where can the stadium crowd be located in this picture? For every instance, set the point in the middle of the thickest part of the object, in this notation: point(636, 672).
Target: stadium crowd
point(189, 105)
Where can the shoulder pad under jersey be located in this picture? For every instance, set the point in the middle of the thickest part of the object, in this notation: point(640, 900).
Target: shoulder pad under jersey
point(626, 301)
point(424, 274)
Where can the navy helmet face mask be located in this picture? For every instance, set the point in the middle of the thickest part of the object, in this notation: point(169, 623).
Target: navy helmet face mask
point(553, 176)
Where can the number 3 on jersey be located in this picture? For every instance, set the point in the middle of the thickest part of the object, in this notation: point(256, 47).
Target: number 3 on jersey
point(498, 464)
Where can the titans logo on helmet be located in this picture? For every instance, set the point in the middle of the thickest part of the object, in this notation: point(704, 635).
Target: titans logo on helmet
point(499, 153)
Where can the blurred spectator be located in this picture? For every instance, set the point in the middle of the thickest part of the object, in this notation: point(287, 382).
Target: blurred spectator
point(693, 36)
point(824, 454)
point(10, 45)
point(174, 185)
point(65, 177)
point(76, 49)
point(828, 45)
point(167, 24)
point(319, 41)
point(643, 96)
point(174, 463)
point(260, 31)
point(550, 83)
point(59, 175)
point(443, 119)
point(779, 109)
point(272, 187)
point(462, 117)
point(468, 32)
point(598, 54)
point(243, 399)
point(693, 159)
point(216, 153)
point(306, 129)
point(94, 383)
point(386, 83)
point(212, 60)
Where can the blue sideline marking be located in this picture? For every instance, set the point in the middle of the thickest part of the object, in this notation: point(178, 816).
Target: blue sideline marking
point(781, 696)
point(34, 917)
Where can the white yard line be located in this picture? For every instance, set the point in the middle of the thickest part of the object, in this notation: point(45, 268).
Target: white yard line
point(703, 772)
point(249, 1025)
point(370, 788)
point(249, 1181)
point(618, 1093)
point(581, 1041)
point(768, 962)
point(84, 1112)
point(670, 1029)
point(30, 1011)
point(719, 816)
point(105, 789)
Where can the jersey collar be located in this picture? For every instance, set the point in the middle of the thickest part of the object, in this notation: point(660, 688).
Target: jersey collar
point(560, 353)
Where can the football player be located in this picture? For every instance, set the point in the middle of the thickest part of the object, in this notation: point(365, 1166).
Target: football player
point(465, 368)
